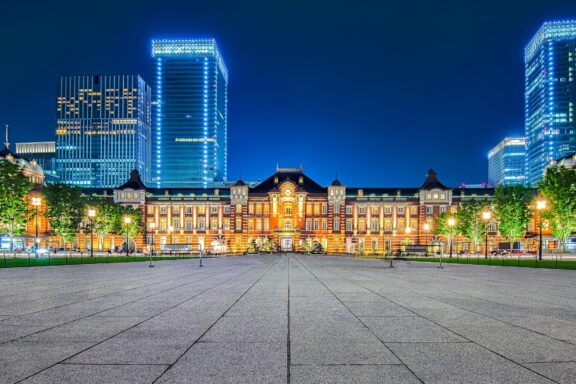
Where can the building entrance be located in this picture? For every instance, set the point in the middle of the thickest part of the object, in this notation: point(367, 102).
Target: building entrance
point(287, 244)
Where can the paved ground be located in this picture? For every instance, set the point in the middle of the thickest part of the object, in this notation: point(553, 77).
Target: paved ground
point(296, 319)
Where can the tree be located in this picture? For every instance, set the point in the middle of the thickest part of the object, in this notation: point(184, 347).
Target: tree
point(14, 208)
point(442, 228)
point(512, 207)
point(134, 228)
point(65, 209)
point(470, 222)
point(558, 187)
point(108, 219)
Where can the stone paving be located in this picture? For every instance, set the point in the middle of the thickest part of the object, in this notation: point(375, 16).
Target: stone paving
point(287, 319)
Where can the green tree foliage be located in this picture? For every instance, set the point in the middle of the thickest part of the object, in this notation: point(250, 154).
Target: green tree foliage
point(558, 187)
point(65, 209)
point(441, 226)
point(470, 222)
point(108, 218)
point(14, 188)
point(512, 207)
point(136, 223)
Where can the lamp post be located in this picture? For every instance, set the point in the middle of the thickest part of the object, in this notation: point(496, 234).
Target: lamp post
point(169, 242)
point(152, 226)
point(426, 228)
point(127, 221)
point(36, 201)
point(540, 205)
point(451, 224)
point(91, 216)
point(486, 216)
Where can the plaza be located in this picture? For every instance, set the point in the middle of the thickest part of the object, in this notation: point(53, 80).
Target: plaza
point(287, 319)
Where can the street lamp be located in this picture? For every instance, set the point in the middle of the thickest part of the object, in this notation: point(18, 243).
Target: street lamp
point(451, 224)
point(426, 228)
point(91, 216)
point(36, 201)
point(152, 226)
point(540, 205)
point(127, 221)
point(486, 216)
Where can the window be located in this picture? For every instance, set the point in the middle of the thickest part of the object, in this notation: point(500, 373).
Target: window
point(238, 224)
point(374, 245)
point(374, 224)
point(251, 208)
point(400, 210)
point(414, 210)
point(258, 209)
point(374, 210)
point(308, 209)
point(324, 208)
point(226, 209)
point(188, 240)
point(288, 224)
point(429, 210)
point(214, 223)
point(266, 209)
point(162, 209)
point(214, 210)
point(188, 225)
point(250, 224)
point(361, 210)
point(258, 224)
point(201, 223)
point(362, 225)
point(336, 224)
point(189, 210)
point(316, 224)
point(348, 209)
point(238, 208)
point(442, 195)
point(163, 224)
point(316, 209)
point(324, 224)
point(348, 224)
point(201, 209)
point(400, 225)
point(287, 209)
point(266, 224)
point(388, 224)
point(388, 210)
point(308, 224)
point(429, 196)
point(442, 209)
point(336, 208)
point(226, 224)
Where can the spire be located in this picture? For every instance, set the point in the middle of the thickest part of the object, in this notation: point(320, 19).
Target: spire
point(6, 142)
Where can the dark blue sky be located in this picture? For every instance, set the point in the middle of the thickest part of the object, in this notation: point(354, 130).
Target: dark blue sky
point(376, 90)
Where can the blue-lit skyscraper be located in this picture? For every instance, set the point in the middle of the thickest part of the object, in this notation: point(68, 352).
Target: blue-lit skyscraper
point(103, 129)
point(190, 113)
point(550, 96)
point(506, 162)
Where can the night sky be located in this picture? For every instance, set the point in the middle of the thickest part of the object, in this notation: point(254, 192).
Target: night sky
point(377, 91)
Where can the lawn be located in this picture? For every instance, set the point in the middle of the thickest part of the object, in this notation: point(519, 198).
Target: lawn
point(23, 261)
point(506, 262)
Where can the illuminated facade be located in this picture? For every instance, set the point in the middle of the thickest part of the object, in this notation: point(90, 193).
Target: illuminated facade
point(550, 96)
point(190, 114)
point(103, 129)
point(44, 153)
point(506, 162)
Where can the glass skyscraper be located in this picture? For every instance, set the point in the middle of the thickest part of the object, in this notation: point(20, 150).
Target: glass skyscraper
point(550, 96)
point(506, 162)
point(189, 145)
point(103, 129)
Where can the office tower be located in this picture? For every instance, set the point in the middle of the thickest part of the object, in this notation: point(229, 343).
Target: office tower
point(550, 96)
point(189, 145)
point(103, 129)
point(506, 162)
point(43, 152)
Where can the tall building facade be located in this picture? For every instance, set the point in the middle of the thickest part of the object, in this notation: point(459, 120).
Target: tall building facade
point(190, 113)
point(550, 96)
point(43, 152)
point(506, 162)
point(103, 129)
